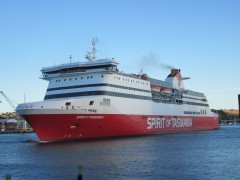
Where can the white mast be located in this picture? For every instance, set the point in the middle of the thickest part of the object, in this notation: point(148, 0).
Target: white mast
point(91, 56)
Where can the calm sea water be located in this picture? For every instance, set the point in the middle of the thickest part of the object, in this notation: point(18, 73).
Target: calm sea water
point(192, 155)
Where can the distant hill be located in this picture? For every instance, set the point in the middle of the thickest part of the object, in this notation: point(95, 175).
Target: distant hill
point(224, 114)
point(9, 115)
point(232, 111)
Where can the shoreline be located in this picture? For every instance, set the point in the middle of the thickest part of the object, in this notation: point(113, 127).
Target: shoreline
point(16, 132)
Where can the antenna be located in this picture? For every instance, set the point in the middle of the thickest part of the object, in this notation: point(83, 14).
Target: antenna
point(94, 49)
point(70, 57)
point(93, 52)
point(140, 72)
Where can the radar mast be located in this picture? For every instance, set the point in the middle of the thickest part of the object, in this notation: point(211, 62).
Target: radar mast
point(91, 56)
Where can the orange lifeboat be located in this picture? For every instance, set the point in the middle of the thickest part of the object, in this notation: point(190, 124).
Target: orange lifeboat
point(155, 88)
point(144, 76)
point(166, 91)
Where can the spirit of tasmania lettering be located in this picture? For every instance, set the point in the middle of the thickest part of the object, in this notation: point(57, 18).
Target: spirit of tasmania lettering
point(158, 123)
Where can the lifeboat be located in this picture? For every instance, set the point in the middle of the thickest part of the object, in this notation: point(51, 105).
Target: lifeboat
point(166, 91)
point(155, 88)
point(144, 76)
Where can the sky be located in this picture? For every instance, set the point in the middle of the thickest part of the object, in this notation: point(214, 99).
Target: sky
point(202, 38)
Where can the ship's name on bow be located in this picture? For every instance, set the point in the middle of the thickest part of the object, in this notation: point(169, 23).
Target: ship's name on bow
point(90, 117)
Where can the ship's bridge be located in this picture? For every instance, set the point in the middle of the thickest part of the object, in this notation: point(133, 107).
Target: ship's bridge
point(101, 65)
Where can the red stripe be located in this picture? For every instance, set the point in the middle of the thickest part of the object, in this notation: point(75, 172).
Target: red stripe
point(72, 126)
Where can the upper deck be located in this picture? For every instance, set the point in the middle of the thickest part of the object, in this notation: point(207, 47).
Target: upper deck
point(102, 65)
point(109, 66)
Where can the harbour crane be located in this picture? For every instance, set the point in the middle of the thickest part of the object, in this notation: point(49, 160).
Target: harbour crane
point(8, 100)
point(21, 124)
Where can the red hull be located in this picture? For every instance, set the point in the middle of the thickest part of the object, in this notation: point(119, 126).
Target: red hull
point(72, 126)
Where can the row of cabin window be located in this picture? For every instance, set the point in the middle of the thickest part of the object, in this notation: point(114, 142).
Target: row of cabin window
point(118, 78)
point(58, 80)
point(202, 112)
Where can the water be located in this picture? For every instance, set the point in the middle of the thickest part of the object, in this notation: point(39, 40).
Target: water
point(193, 155)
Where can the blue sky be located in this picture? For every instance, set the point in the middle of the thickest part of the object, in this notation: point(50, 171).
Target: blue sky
point(202, 38)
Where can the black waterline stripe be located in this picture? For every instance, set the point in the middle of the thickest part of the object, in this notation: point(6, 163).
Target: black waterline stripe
point(111, 85)
point(95, 93)
point(108, 93)
point(96, 85)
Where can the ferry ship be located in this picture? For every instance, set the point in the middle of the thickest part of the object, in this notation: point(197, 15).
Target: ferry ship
point(94, 99)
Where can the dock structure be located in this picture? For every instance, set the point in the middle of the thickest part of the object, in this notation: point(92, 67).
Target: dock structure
point(236, 121)
point(14, 126)
point(8, 176)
